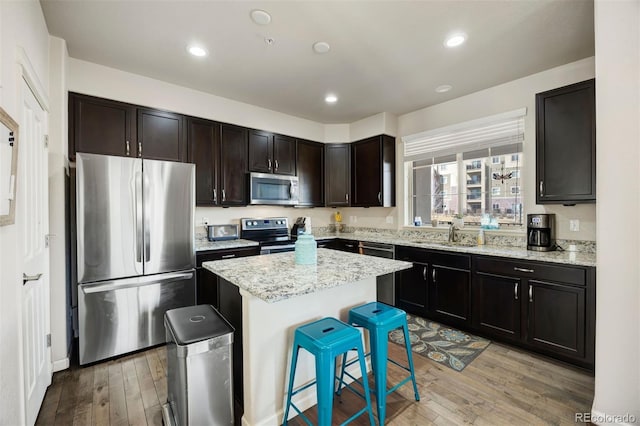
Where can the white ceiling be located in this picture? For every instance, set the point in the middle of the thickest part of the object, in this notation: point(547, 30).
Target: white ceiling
point(386, 56)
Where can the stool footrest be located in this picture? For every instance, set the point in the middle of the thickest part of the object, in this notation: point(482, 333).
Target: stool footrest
point(301, 414)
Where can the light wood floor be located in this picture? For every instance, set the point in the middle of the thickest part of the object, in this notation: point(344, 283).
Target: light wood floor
point(503, 385)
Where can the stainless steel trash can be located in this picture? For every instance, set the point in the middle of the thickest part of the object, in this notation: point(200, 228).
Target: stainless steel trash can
point(199, 367)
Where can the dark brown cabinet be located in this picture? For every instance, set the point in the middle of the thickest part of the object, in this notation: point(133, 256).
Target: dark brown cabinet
point(161, 135)
point(101, 126)
point(233, 165)
point(204, 152)
point(310, 164)
point(373, 163)
point(411, 285)
point(566, 144)
point(269, 153)
point(337, 175)
point(541, 306)
point(450, 288)
point(342, 245)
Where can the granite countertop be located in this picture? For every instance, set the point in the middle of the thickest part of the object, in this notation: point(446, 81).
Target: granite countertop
point(203, 245)
point(564, 257)
point(276, 277)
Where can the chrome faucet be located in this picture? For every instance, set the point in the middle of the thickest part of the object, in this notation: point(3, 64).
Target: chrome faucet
point(453, 236)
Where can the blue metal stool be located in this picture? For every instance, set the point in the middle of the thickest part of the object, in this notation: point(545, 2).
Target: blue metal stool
point(380, 319)
point(326, 339)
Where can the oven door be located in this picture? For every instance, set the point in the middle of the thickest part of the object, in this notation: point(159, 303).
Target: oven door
point(270, 189)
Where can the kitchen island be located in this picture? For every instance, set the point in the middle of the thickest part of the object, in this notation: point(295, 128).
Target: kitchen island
point(277, 297)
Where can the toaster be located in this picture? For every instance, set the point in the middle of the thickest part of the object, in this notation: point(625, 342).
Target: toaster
point(222, 232)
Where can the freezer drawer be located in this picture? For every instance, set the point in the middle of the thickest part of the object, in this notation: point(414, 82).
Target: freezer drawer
point(120, 316)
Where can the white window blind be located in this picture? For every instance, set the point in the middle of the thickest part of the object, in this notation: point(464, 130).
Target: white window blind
point(488, 132)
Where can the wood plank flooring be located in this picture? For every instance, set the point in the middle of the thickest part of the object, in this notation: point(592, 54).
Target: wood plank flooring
point(503, 386)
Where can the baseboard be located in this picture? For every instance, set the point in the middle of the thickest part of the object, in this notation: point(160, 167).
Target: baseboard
point(61, 364)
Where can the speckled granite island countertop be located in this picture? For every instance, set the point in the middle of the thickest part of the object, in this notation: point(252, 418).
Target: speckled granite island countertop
point(276, 277)
point(204, 245)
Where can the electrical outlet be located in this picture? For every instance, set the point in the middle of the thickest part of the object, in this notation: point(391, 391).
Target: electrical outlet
point(205, 220)
point(353, 219)
point(389, 219)
point(574, 225)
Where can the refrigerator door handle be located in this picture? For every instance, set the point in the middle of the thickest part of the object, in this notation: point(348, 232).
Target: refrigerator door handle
point(147, 219)
point(138, 213)
point(133, 282)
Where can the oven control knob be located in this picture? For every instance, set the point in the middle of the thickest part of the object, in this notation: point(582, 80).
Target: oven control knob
point(255, 223)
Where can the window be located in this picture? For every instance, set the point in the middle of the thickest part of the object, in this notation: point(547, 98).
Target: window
point(470, 169)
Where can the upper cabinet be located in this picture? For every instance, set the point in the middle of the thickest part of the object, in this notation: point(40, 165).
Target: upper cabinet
point(161, 135)
point(566, 144)
point(101, 126)
point(204, 152)
point(233, 165)
point(269, 153)
point(373, 162)
point(337, 174)
point(310, 162)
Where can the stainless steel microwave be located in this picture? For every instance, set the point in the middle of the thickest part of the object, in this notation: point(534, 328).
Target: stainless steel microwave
point(272, 189)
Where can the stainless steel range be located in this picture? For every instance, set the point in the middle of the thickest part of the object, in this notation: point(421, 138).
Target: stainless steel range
point(272, 233)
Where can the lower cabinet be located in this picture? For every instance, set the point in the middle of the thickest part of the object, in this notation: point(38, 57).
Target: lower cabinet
point(546, 307)
point(412, 284)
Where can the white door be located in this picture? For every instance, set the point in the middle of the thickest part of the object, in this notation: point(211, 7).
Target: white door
point(33, 184)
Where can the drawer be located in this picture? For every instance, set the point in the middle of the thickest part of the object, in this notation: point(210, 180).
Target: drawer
point(434, 257)
point(536, 270)
point(207, 256)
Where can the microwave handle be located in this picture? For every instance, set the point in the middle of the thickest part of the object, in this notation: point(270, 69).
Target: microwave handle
point(291, 192)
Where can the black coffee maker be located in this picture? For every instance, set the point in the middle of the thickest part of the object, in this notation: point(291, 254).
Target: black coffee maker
point(541, 234)
point(298, 227)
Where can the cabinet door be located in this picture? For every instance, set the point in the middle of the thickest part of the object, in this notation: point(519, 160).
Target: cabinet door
point(556, 318)
point(233, 165)
point(206, 288)
point(366, 173)
point(449, 293)
point(411, 288)
point(496, 305)
point(310, 173)
point(337, 174)
point(260, 151)
point(204, 152)
point(284, 155)
point(161, 135)
point(565, 144)
point(101, 126)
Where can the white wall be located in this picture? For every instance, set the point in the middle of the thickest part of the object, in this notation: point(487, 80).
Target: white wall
point(506, 97)
point(21, 24)
point(57, 226)
point(617, 385)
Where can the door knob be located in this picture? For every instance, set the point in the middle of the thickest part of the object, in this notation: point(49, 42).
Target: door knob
point(26, 278)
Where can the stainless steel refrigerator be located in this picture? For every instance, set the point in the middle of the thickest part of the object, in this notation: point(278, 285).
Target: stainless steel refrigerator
point(135, 250)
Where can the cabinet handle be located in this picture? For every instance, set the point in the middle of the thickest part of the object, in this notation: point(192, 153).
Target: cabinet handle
point(433, 275)
point(379, 197)
point(531, 271)
point(515, 291)
point(346, 197)
point(224, 196)
point(140, 149)
point(215, 196)
point(269, 163)
point(127, 148)
point(541, 186)
point(228, 256)
point(349, 245)
point(530, 293)
point(424, 273)
point(276, 162)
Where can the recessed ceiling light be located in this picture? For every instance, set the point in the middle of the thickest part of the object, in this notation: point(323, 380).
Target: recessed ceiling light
point(444, 88)
point(321, 47)
point(197, 50)
point(455, 40)
point(260, 17)
point(331, 99)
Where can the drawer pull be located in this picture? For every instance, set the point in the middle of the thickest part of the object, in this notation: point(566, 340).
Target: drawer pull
point(531, 271)
point(228, 256)
point(530, 293)
point(515, 291)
